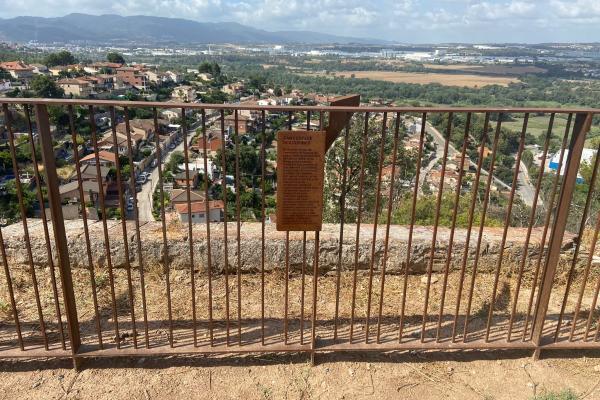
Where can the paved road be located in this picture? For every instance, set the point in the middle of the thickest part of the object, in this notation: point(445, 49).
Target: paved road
point(145, 196)
point(525, 189)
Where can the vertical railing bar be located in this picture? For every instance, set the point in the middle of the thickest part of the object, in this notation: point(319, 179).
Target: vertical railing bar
point(583, 285)
point(86, 232)
point(412, 225)
point(375, 216)
point(262, 228)
point(482, 226)
point(302, 287)
point(507, 223)
point(40, 198)
point(238, 222)
point(583, 122)
point(435, 225)
point(8, 123)
point(123, 222)
point(471, 216)
point(227, 323)
point(303, 272)
point(453, 225)
point(338, 273)
point(547, 224)
point(207, 213)
point(186, 159)
point(60, 235)
point(287, 265)
point(387, 228)
point(137, 228)
point(576, 254)
point(358, 220)
point(104, 226)
point(225, 239)
point(313, 336)
point(529, 229)
point(11, 293)
point(286, 289)
point(166, 265)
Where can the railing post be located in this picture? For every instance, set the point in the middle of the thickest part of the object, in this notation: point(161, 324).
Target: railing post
point(60, 237)
point(583, 122)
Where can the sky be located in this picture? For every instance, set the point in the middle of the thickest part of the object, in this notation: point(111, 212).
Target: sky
point(404, 21)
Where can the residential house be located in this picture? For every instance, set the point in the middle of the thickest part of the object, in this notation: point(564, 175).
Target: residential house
point(133, 76)
point(450, 179)
point(173, 76)
point(156, 77)
point(98, 67)
point(142, 129)
point(106, 159)
point(39, 69)
point(210, 148)
point(17, 69)
point(108, 144)
point(244, 123)
point(182, 181)
point(89, 173)
point(76, 87)
point(70, 191)
point(205, 76)
point(184, 93)
point(179, 196)
point(5, 85)
point(233, 89)
point(197, 213)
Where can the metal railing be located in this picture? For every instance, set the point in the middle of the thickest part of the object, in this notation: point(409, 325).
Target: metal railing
point(380, 181)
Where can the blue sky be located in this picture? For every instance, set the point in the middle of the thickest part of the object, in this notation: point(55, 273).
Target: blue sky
point(410, 21)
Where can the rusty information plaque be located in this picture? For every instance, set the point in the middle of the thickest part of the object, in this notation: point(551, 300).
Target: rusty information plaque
point(300, 163)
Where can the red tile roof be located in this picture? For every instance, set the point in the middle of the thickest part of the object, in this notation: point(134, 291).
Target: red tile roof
point(15, 66)
point(102, 155)
point(200, 206)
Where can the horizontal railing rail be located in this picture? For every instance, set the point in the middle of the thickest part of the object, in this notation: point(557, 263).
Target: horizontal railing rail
point(443, 228)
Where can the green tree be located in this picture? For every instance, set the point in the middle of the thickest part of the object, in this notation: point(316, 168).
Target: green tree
point(61, 58)
point(43, 86)
point(115, 57)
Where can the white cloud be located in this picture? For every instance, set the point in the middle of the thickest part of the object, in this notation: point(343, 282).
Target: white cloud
point(406, 20)
point(576, 8)
point(495, 11)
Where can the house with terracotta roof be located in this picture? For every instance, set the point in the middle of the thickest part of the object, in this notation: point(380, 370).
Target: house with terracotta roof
point(75, 87)
point(98, 67)
point(17, 69)
point(106, 159)
point(210, 146)
point(244, 123)
point(133, 76)
point(197, 213)
point(182, 181)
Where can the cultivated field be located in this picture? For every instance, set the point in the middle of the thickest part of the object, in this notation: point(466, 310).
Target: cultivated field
point(538, 126)
point(469, 80)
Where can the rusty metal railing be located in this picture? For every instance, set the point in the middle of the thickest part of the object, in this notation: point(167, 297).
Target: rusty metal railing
point(379, 171)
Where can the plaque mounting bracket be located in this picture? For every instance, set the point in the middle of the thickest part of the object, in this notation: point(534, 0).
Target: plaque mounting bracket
point(339, 119)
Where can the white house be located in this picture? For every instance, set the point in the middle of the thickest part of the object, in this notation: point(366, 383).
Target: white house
point(198, 211)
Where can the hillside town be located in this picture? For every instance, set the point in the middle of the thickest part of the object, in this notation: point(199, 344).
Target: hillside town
point(149, 139)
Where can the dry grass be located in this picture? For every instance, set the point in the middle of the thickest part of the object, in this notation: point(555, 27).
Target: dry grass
point(468, 80)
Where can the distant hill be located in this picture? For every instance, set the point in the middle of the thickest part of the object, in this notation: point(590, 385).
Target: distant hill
point(115, 28)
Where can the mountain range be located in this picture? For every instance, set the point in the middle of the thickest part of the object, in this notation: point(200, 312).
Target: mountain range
point(110, 28)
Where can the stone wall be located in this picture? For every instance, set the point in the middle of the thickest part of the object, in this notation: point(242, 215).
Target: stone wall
point(275, 246)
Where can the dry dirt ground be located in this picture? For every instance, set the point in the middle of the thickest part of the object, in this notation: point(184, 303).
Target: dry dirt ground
point(422, 375)
point(389, 375)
